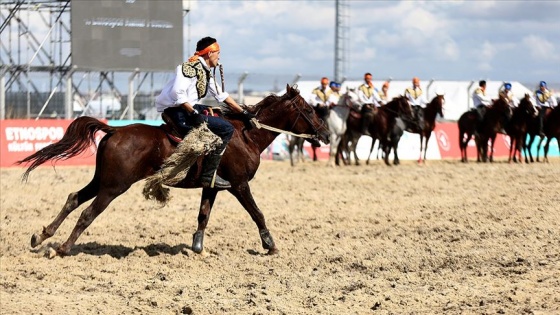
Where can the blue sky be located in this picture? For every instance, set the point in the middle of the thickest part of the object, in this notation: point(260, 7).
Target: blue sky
point(444, 40)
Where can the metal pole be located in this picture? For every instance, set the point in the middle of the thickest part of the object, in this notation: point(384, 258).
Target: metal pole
point(428, 89)
point(3, 93)
point(240, 96)
point(468, 95)
point(131, 94)
point(296, 79)
point(69, 99)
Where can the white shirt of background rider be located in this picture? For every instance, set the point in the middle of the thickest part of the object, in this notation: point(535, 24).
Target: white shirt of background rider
point(415, 97)
point(513, 102)
point(479, 97)
point(374, 98)
point(316, 98)
point(549, 100)
point(333, 98)
point(181, 89)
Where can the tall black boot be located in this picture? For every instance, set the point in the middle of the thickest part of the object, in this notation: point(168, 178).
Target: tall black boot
point(542, 112)
point(209, 178)
point(366, 117)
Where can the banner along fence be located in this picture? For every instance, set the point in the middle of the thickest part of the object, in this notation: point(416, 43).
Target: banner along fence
point(21, 138)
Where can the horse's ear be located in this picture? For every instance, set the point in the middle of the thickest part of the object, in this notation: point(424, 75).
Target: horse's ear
point(288, 88)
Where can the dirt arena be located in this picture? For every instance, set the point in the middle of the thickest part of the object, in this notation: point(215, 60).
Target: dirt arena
point(440, 238)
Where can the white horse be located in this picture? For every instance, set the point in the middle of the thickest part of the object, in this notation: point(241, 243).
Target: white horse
point(336, 121)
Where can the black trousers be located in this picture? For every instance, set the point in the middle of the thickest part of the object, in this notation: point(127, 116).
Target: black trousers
point(185, 122)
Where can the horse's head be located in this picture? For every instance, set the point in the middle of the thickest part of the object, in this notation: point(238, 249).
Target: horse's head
point(349, 99)
point(438, 102)
point(403, 107)
point(306, 120)
point(501, 106)
point(526, 105)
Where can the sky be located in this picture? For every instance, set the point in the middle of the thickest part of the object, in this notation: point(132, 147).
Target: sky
point(441, 40)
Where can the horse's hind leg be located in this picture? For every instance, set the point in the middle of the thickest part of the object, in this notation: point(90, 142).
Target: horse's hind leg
point(98, 205)
point(206, 203)
point(74, 200)
point(244, 196)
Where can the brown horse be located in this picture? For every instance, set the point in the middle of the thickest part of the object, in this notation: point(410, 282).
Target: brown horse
point(429, 113)
point(128, 154)
point(467, 129)
point(494, 121)
point(533, 131)
point(380, 127)
point(551, 129)
point(517, 127)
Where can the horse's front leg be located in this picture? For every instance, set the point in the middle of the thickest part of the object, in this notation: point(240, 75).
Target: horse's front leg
point(492, 140)
point(244, 196)
point(206, 202)
point(421, 147)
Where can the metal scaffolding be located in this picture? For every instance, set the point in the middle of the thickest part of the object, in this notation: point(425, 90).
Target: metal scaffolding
point(341, 39)
point(37, 79)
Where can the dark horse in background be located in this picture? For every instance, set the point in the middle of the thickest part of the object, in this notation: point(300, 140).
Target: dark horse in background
point(427, 125)
point(128, 154)
point(495, 119)
point(380, 127)
point(297, 142)
point(549, 124)
point(551, 130)
point(518, 125)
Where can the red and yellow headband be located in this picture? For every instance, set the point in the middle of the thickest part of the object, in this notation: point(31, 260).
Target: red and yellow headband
point(209, 49)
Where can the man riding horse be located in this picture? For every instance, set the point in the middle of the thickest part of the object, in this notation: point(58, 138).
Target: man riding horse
point(417, 100)
point(179, 100)
point(544, 100)
point(369, 101)
point(481, 101)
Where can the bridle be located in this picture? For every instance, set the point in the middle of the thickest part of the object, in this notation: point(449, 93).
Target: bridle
point(300, 114)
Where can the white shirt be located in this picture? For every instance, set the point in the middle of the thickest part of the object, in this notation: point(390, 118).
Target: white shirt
point(513, 102)
point(374, 98)
point(181, 90)
point(480, 98)
point(317, 96)
point(540, 95)
point(419, 99)
point(333, 98)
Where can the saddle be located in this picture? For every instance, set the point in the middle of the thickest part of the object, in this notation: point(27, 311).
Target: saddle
point(171, 128)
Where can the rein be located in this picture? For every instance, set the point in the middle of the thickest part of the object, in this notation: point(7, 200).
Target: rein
point(267, 127)
point(259, 125)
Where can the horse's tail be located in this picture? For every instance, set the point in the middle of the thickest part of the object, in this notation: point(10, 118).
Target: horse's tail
point(79, 136)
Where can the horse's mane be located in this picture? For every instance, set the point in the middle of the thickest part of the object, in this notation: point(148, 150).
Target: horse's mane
point(272, 99)
point(500, 103)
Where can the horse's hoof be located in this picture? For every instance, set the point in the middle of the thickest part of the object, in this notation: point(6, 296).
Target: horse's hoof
point(273, 251)
point(197, 245)
point(51, 253)
point(36, 240)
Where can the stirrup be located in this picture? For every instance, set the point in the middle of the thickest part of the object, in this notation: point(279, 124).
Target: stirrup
point(215, 182)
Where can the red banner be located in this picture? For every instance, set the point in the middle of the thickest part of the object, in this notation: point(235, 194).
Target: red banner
point(447, 135)
point(21, 138)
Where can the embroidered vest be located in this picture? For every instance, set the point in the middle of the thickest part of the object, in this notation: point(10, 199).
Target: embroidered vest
point(382, 95)
point(506, 95)
point(323, 95)
point(196, 69)
point(415, 93)
point(542, 96)
point(367, 90)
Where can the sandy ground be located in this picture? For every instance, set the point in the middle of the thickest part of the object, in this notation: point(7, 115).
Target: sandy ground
point(443, 238)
